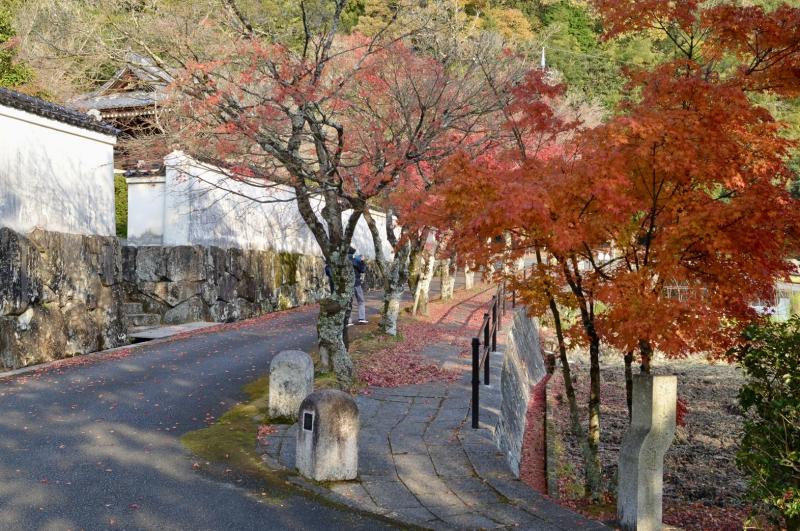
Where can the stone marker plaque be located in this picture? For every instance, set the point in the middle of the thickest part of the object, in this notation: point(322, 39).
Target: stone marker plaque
point(327, 441)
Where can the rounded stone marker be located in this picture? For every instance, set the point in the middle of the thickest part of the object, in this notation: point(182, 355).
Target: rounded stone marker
point(291, 379)
point(327, 436)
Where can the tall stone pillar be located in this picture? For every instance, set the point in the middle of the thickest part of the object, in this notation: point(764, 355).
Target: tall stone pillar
point(641, 456)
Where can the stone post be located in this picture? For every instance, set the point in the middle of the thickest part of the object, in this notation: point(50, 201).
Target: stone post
point(469, 278)
point(327, 436)
point(291, 379)
point(641, 456)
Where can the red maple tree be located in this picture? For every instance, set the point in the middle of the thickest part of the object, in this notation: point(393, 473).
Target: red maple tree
point(683, 190)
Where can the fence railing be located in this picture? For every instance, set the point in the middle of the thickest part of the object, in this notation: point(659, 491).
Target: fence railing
point(483, 345)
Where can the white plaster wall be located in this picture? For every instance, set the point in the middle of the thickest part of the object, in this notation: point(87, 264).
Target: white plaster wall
point(146, 210)
point(54, 176)
point(202, 206)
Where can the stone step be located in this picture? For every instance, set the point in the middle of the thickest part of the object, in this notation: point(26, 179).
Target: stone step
point(142, 319)
point(130, 308)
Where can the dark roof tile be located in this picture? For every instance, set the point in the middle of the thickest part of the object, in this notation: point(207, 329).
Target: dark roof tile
point(46, 109)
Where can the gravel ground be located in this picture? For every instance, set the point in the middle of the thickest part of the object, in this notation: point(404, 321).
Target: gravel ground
point(702, 486)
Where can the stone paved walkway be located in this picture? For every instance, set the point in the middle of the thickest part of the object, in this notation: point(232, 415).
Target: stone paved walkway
point(420, 462)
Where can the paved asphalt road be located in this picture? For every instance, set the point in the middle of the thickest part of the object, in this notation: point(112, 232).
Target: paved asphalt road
point(96, 445)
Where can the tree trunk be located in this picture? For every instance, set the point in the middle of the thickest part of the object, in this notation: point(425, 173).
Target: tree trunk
point(424, 284)
point(566, 372)
point(394, 285)
point(569, 388)
point(593, 467)
point(647, 355)
point(415, 264)
point(629, 383)
point(331, 321)
point(446, 278)
point(394, 274)
point(585, 305)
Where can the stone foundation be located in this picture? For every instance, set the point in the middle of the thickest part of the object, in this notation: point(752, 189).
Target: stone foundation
point(62, 295)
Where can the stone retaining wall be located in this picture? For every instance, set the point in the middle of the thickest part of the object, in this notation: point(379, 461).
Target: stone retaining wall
point(62, 295)
point(195, 283)
point(523, 368)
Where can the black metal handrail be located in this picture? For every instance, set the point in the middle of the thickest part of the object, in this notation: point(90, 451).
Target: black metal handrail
point(492, 322)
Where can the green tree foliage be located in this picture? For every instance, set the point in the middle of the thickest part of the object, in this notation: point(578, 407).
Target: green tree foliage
point(12, 73)
point(770, 449)
point(594, 70)
point(121, 205)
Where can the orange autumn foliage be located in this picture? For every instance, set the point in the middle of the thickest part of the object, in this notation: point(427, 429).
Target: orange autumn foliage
point(685, 187)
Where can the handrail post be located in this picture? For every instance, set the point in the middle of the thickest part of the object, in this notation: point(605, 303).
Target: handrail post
point(476, 382)
point(500, 310)
point(486, 330)
point(486, 361)
point(495, 329)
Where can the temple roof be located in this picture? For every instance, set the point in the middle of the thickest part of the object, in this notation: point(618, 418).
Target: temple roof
point(45, 109)
point(139, 84)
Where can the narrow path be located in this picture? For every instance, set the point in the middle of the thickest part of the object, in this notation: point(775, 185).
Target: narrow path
point(419, 459)
point(94, 443)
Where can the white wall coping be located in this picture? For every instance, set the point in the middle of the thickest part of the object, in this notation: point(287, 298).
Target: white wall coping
point(146, 179)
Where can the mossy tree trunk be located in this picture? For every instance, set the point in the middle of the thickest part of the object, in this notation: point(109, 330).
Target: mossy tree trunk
point(393, 288)
point(415, 262)
point(332, 316)
point(334, 238)
point(469, 277)
point(394, 272)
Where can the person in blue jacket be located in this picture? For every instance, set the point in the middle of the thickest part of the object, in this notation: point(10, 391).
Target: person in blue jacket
point(359, 268)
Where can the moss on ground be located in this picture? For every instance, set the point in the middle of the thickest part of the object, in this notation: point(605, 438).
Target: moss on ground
point(232, 439)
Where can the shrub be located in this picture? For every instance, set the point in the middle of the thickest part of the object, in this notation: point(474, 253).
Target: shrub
point(770, 449)
point(121, 205)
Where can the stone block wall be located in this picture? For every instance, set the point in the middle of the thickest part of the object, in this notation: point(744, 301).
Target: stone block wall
point(60, 296)
point(523, 368)
point(194, 283)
